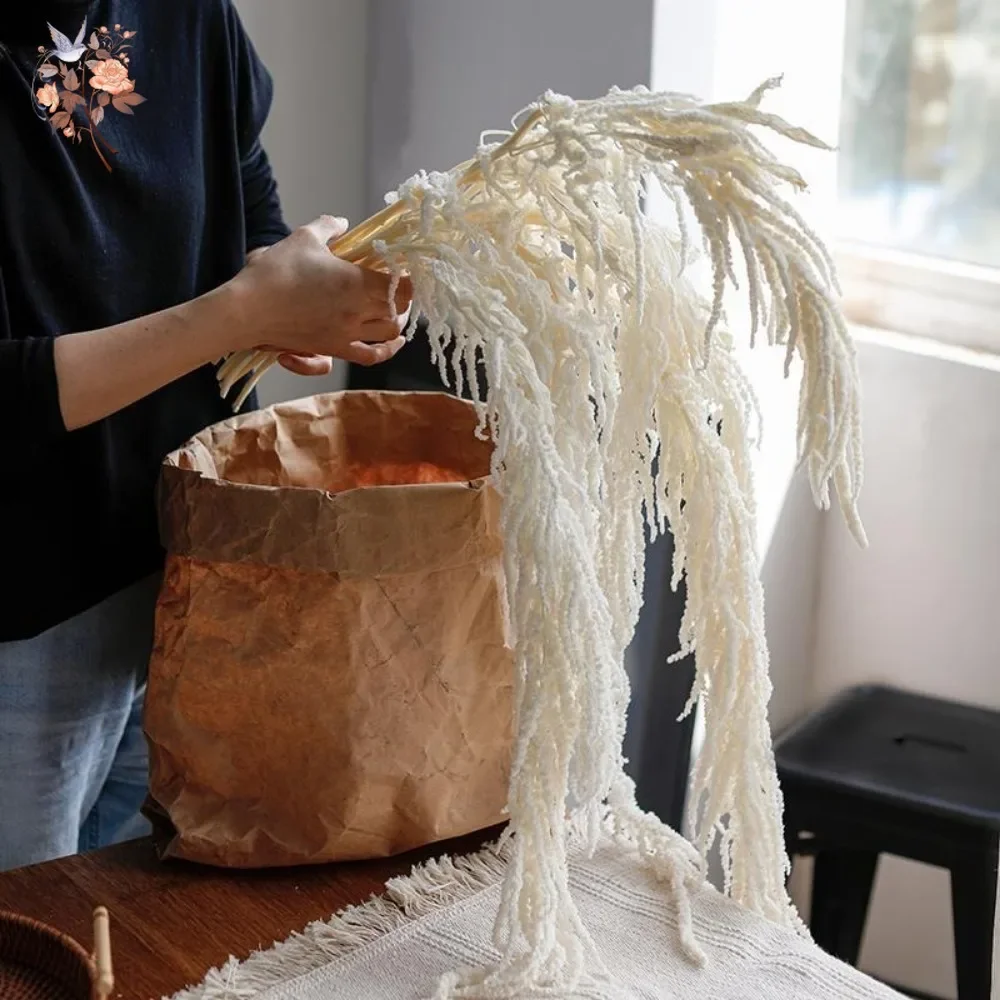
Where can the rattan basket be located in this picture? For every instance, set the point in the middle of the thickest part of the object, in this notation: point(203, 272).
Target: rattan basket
point(37, 962)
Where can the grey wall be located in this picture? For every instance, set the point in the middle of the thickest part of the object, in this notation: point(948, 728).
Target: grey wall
point(442, 70)
point(316, 51)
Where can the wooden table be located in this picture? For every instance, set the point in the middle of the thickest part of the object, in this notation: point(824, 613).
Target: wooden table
point(172, 922)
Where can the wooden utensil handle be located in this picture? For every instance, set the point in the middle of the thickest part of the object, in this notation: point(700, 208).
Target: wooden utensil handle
point(102, 954)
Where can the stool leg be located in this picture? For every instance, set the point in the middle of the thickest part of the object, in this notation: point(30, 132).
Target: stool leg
point(973, 907)
point(842, 888)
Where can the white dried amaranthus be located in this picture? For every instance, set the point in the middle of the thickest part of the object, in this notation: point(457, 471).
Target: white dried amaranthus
point(617, 408)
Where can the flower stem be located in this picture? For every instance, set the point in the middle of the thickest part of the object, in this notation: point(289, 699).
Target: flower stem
point(97, 149)
point(111, 149)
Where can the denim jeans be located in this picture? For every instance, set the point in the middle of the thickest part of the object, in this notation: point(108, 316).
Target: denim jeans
point(73, 771)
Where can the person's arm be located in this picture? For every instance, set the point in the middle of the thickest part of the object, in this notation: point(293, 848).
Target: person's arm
point(262, 215)
point(103, 371)
point(298, 296)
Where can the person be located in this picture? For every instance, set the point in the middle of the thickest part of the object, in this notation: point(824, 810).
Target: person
point(141, 240)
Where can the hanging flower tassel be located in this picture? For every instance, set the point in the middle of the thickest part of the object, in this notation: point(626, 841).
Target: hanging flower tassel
point(618, 410)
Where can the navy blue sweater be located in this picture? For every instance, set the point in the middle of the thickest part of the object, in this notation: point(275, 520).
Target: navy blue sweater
point(131, 179)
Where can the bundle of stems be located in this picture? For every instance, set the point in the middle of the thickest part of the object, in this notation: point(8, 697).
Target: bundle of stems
point(618, 409)
point(358, 245)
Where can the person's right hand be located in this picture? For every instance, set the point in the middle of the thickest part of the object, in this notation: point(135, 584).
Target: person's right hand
point(301, 300)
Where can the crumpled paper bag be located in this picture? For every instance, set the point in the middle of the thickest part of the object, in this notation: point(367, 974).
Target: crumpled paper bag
point(330, 678)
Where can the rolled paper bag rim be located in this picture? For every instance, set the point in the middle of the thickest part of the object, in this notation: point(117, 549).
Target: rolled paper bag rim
point(291, 517)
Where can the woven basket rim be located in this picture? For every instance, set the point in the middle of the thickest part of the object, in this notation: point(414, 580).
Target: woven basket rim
point(9, 920)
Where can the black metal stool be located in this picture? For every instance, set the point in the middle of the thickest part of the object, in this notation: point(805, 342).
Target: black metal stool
point(884, 771)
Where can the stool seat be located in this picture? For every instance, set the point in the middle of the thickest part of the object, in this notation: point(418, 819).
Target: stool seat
point(883, 771)
point(933, 756)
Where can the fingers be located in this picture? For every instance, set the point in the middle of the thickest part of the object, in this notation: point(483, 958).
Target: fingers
point(379, 330)
point(404, 294)
point(306, 364)
point(327, 228)
point(376, 287)
point(372, 354)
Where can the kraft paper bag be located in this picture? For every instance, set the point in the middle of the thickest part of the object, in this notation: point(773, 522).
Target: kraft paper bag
point(331, 678)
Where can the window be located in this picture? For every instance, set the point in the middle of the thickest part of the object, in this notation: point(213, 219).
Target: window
point(909, 90)
point(920, 127)
point(918, 188)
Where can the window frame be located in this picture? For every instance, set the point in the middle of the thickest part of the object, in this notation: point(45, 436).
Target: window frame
point(945, 301)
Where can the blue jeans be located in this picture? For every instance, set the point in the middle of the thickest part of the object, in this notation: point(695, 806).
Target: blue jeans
point(73, 771)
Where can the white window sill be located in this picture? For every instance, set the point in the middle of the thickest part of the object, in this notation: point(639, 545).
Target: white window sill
point(927, 347)
point(942, 302)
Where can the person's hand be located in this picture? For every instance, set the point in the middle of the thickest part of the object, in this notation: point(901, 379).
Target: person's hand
point(300, 364)
point(301, 301)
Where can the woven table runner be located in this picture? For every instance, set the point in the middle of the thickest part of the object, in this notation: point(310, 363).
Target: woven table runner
point(440, 918)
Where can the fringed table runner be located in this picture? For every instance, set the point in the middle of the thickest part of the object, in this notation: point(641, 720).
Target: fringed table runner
point(441, 917)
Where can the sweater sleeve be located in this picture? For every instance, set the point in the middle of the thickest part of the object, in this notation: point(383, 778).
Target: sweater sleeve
point(29, 393)
point(254, 90)
point(261, 207)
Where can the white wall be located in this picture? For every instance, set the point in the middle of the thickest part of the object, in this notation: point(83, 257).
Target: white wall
point(918, 609)
point(316, 51)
